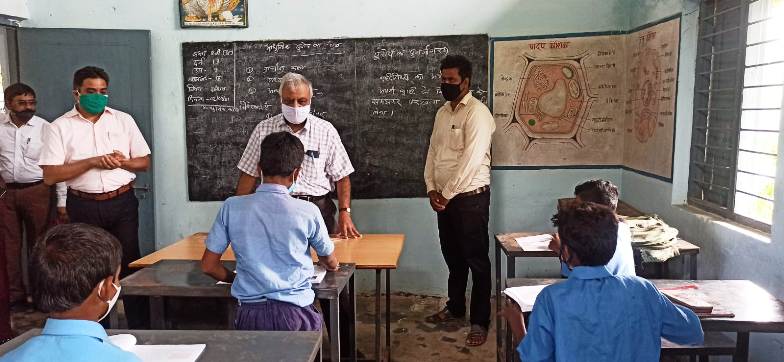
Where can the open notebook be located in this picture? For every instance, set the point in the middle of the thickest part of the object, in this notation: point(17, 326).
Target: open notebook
point(156, 353)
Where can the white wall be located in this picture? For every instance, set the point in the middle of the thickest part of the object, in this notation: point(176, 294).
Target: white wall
point(14, 8)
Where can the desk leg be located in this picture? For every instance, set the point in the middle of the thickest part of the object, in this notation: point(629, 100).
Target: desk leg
point(352, 327)
point(389, 317)
point(157, 314)
point(334, 329)
point(693, 266)
point(499, 345)
point(510, 273)
point(742, 347)
point(378, 315)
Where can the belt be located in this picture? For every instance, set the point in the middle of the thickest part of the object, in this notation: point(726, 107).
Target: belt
point(311, 198)
point(21, 185)
point(473, 192)
point(102, 196)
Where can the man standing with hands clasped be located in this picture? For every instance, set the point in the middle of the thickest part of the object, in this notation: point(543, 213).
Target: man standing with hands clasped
point(457, 174)
point(97, 151)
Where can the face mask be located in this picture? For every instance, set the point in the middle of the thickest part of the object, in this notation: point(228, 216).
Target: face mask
point(24, 116)
point(566, 262)
point(450, 91)
point(295, 115)
point(93, 103)
point(112, 301)
point(293, 186)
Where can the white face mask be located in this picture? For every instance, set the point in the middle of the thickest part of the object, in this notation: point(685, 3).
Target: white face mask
point(112, 301)
point(295, 115)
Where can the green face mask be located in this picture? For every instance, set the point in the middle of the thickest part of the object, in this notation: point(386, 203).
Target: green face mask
point(93, 103)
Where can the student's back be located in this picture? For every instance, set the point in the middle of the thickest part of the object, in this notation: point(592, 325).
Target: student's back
point(595, 316)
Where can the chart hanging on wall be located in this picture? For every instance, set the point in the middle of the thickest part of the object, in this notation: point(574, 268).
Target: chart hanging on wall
point(588, 99)
point(214, 13)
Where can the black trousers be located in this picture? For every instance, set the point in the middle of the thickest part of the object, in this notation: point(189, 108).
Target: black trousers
point(120, 217)
point(462, 228)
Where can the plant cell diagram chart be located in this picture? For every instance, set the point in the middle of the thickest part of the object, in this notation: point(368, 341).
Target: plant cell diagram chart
point(593, 100)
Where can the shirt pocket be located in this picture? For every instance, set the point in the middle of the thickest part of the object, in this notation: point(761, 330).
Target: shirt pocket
point(455, 139)
point(32, 149)
point(118, 140)
point(313, 167)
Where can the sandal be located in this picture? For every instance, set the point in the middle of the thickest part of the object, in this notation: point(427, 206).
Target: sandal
point(477, 336)
point(443, 316)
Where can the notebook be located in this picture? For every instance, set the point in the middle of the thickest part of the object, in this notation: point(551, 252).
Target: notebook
point(524, 296)
point(158, 353)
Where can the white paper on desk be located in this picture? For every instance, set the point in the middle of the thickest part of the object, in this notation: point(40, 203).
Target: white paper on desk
point(524, 296)
point(535, 242)
point(319, 272)
point(156, 353)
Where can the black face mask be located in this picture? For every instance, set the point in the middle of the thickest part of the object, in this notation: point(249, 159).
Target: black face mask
point(24, 116)
point(450, 91)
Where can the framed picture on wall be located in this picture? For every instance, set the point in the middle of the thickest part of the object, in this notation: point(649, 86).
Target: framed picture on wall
point(214, 13)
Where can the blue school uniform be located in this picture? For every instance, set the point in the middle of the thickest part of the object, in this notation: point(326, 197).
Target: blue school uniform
point(596, 316)
point(69, 340)
point(270, 233)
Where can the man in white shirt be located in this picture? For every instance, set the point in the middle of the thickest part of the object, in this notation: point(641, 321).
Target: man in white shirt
point(97, 151)
point(457, 175)
point(27, 203)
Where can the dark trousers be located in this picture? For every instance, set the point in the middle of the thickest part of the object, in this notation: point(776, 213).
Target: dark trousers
point(328, 212)
point(5, 301)
point(462, 228)
point(120, 217)
point(25, 211)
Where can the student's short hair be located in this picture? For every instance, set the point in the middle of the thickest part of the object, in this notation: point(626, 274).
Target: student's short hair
point(17, 89)
point(68, 262)
point(599, 191)
point(590, 230)
point(460, 62)
point(87, 73)
point(281, 154)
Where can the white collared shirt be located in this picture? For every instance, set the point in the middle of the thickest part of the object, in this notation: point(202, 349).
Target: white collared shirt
point(20, 148)
point(326, 160)
point(458, 159)
point(72, 138)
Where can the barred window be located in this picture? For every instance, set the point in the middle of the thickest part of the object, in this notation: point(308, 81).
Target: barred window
point(739, 89)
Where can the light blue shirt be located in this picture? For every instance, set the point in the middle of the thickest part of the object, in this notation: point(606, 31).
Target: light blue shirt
point(70, 340)
point(596, 316)
point(622, 262)
point(270, 233)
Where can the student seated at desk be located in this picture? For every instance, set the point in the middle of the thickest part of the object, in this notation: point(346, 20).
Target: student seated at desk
point(605, 193)
point(75, 272)
point(595, 315)
point(270, 233)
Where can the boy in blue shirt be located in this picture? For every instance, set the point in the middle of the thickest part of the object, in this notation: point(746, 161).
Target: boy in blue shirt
point(271, 234)
point(75, 272)
point(595, 315)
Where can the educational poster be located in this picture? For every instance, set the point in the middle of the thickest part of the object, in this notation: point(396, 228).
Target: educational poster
point(587, 100)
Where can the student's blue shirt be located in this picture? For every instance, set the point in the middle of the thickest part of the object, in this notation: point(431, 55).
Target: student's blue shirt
point(622, 262)
point(69, 340)
point(270, 233)
point(596, 316)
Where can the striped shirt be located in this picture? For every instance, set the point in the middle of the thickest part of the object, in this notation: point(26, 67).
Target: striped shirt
point(326, 160)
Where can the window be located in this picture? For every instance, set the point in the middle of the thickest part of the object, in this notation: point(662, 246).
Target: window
point(739, 89)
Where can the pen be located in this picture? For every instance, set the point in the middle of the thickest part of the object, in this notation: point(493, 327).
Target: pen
point(28, 140)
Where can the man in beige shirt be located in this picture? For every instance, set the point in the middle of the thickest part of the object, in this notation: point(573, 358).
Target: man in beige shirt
point(457, 174)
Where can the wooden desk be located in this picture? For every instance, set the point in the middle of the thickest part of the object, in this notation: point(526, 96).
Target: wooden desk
point(243, 346)
point(506, 243)
point(755, 309)
point(380, 252)
point(184, 278)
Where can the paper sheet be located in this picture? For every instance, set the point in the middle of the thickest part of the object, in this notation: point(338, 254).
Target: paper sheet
point(535, 242)
point(524, 296)
point(156, 353)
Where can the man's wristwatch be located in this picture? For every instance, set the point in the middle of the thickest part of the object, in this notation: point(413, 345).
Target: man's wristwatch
point(346, 209)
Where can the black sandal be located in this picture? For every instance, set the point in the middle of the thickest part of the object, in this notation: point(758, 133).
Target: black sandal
point(443, 316)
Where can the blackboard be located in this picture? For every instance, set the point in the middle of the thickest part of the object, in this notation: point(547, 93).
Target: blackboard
point(381, 94)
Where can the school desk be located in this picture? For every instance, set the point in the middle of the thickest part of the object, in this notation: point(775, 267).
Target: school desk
point(506, 244)
point(756, 310)
point(380, 252)
point(184, 278)
point(237, 346)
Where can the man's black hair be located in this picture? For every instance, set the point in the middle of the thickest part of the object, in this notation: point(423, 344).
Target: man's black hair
point(281, 154)
point(17, 89)
point(590, 230)
point(68, 262)
point(460, 62)
point(599, 191)
point(87, 73)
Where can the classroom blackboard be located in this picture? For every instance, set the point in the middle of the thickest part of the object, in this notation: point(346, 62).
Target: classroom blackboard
point(381, 94)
